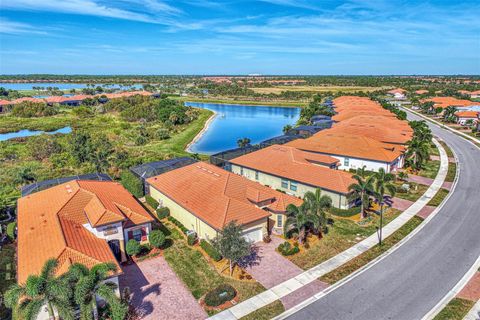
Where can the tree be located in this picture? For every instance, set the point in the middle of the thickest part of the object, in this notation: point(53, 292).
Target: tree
point(361, 189)
point(317, 204)
point(231, 244)
point(383, 184)
point(417, 152)
point(40, 290)
point(287, 128)
point(131, 183)
point(242, 143)
point(299, 218)
point(133, 247)
point(156, 238)
point(92, 283)
point(449, 114)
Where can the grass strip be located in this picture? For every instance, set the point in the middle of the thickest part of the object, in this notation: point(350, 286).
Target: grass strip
point(452, 171)
point(447, 149)
point(268, 312)
point(360, 261)
point(456, 309)
point(438, 198)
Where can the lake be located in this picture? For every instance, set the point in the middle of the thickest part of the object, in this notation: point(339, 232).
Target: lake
point(60, 85)
point(233, 122)
point(29, 133)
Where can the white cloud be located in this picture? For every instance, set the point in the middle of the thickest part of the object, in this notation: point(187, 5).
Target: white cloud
point(12, 27)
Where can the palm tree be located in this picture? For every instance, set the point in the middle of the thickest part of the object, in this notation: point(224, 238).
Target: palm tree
point(242, 143)
point(90, 284)
point(287, 128)
point(300, 218)
point(449, 113)
point(316, 203)
point(40, 290)
point(383, 184)
point(361, 189)
point(418, 152)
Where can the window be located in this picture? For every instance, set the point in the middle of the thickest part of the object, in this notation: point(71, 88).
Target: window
point(346, 162)
point(241, 171)
point(293, 186)
point(256, 175)
point(279, 220)
point(137, 235)
point(285, 183)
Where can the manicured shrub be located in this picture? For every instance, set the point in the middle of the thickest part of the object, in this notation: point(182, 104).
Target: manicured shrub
point(210, 250)
point(156, 238)
point(163, 212)
point(191, 239)
point(286, 249)
point(133, 247)
point(151, 202)
point(11, 230)
point(178, 224)
point(131, 183)
point(220, 295)
point(345, 212)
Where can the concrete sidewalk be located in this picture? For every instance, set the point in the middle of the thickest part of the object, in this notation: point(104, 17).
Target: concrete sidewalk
point(285, 288)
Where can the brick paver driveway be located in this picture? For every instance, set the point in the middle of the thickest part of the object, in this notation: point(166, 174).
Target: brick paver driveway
point(271, 269)
point(157, 293)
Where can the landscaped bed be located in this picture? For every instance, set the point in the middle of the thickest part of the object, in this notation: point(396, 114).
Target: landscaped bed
point(456, 309)
point(265, 313)
point(415, 192)
point(430, 169)
point(438, 198)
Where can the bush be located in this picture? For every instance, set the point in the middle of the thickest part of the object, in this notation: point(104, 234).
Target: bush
point(345, 212)
point(210, 250)
point(286, 249)
point(151, 202)
point(163, 212)
point(133, 247)
point(220, 295)
point(156, 238)
point(178, 224)
point(11, 230)
point(191, 239)
point(162, 134)
point(131, 183)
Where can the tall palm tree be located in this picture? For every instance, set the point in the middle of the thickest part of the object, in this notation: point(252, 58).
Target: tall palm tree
point(300, 218)
point(449, 113)
point(361, 189)
point(91, 283)
point(41, 290)
point(417, 152)
point(383, 184)
point(316, 203)
point(242, 143)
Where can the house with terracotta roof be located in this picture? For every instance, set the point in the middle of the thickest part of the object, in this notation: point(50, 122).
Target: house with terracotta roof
point(5, 105)
point(205, 198)
point(353, 151)
point(467, 116)
point(79, 221)
point(295, 172)
point(397, 93)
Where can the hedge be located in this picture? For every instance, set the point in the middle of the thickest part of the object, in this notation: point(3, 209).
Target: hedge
point(133, 247)
point(11, 230)
point(286, 249)
point(156, 238)
point(151, 202)
point(345, 212)
point(210, 250)
point(220, 295)
point(163, 212)
point(131, 183)
point(178, 224)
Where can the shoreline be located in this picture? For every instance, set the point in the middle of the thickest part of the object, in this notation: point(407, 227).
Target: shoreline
point(201, 132)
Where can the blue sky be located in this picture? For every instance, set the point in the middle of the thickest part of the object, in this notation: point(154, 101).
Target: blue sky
point(239, 37)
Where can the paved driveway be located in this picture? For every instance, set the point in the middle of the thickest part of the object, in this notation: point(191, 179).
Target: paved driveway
point(271, 268)
point(157, 293)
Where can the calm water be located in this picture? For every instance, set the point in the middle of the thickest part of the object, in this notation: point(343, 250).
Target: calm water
point(60, 85)
point(29, 133)
point(233, 122)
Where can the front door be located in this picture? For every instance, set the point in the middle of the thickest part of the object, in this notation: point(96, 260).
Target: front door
point(115, 246)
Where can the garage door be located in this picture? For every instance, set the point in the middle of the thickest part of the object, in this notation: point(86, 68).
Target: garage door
point(254, 235)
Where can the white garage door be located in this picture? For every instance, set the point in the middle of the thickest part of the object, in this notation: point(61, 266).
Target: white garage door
point(253, 235)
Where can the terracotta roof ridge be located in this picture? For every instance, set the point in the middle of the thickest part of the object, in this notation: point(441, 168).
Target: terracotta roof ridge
point(226, 184)
point(226, 211)
point(58, 218)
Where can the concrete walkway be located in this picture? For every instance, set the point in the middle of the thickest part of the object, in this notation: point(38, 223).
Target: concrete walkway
point(271, 269)
point(287, 287)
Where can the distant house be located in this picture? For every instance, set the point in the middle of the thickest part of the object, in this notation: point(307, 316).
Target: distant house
point(398, 93)
point(465, 116)
point(5, 106)
point(295, 172)
point(420, 92)
point(205, 198)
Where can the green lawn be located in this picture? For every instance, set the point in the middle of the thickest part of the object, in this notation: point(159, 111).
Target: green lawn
point(452, 171)
point(430, 169)
point(7, 274)
point(415, 192)
point(438, 198)
point(456, 309)
point(447, 149)
point(266, 313)
point(358, 262)
point(343, 234)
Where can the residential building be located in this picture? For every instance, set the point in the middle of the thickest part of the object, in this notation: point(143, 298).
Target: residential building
point(205, 198)
point(464, 117)
point(295, 172)
point(398, 93)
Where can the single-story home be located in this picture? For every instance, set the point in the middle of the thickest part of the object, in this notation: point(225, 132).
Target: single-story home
point(295, 172)
point(397, 93)
point(463, 117)
point(305, 130)
point(205, 198)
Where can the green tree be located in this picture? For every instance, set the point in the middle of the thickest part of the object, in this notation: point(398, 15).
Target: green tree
point(361, 189)
point(417, 152)
point(383, 184)
point(244, 142)
point(131, 183)
point(92, 283)
point(317, 204)
point(449, 114)
point(287, 128)
point(299, 219)
point(40, 290)
point(231, 244)
point(133, 248)
point(156, 238)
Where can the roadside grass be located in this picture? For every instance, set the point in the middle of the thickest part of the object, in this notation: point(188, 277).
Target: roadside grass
point(447, 149)
point(438, 198)
point(452, 171)
point(360, 261)
point(430, 169)
point(244, 101)
point(415, 192)
point(456, 309)
point(265, 313)
point(198, 275)
point(342, 235)
point(7, 274)
point(434, 150)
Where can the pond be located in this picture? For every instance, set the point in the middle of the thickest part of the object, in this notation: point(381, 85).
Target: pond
point(60, 85)
point(29, 133)
point(233, 122)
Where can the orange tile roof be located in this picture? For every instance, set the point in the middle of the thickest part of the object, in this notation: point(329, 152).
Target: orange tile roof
point(5, 102)
point(467, 114)
point(50, 224)
point(217, 196)
point(20, 100)
point(421, 91)
point(398, 90)
point(291, 163)
point(344, 144)
point(444, 102)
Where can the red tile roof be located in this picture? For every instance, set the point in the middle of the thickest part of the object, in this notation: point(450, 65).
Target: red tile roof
point(467, 114)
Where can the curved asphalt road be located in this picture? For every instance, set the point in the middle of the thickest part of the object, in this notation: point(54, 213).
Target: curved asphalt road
point(409, 282)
